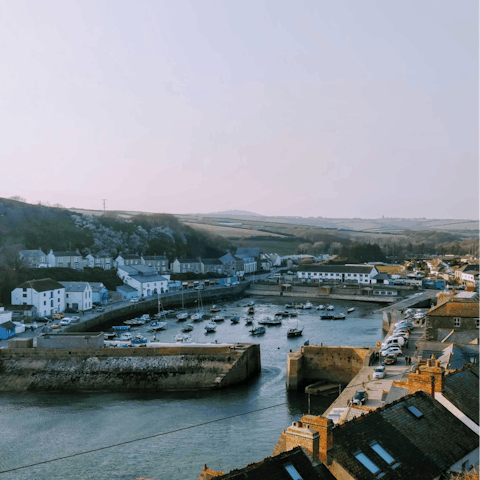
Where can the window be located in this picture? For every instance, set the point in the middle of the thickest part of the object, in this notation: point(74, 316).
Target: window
point(456, 322)
point(292, 471)
point(366, 462)
point(415, 411)
point(477, 322)
point(382, 453)
point(24, 295)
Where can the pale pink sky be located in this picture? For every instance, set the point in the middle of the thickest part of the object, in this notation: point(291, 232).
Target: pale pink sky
point(313, 108)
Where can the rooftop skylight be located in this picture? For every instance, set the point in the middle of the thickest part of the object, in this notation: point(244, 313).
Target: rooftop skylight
point(415, 411)
point(292, 471)
point(366, 462)
point(382, 452)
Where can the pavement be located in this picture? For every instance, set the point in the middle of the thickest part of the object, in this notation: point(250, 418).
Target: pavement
point(377, 387)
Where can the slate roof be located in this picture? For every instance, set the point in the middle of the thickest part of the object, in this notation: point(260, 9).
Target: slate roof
point(66, 254)
point(396, 393)
point(96, 286)
point(249, 251)
point(417, 453)
point(468, 268)
point(188, 260)
point(42, 285)
point(337, 268)
point(32, 253)
point(211, 261)
point(381, 276)
point(149, 278)
point(126, 289)
point(456, 307)
point(273, 468)
point(461, 388)
point(457, 337)
point(75, 286)
point(155, 257)
point(130, 257)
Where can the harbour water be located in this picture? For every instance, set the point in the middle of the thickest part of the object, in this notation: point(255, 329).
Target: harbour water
point(38, 427)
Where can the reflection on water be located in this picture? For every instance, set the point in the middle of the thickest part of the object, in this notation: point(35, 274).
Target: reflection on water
point(40, 426)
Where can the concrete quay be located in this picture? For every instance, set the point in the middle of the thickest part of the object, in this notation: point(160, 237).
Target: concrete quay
point(377, 388)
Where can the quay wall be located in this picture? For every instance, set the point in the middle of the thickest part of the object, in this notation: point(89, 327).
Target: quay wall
point(173, 367)
point(311, 293)
point(334, 364)
point(190, 297)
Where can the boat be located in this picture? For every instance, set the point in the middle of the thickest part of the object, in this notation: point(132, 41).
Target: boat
point(294, 332)
point(214, 309)
point(258, 330)
point(308, 306)
point(294, 313)
point(139, 340)
point(251, 311)
point(109, 336)
point(235, 320)
point(330, 307)
point(279, 314)
point(210, 327)
point(270, 321)
point(299, 306)
point(183, 338)
point(350, 310)
point(121, 327)
point(326, 316)
point(145, 317)
point(126, 336)
point(248, 321)
point(251, 303)
point(134, 322)
point(218, 318)
point(289, 305)
point(285, 314)
point(155, 326)
point(187, 328)
point(339, 316)
point(182, 316)
point(321, 307)
point(198, 315)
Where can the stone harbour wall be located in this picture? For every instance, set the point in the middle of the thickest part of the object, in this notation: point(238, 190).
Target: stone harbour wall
point(144, 369)
point(313, 363)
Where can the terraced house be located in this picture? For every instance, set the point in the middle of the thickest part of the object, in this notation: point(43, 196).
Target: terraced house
point(337, 273)
point(65, 260)
point(47, 295)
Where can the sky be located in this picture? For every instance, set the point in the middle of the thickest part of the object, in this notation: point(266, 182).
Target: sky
point(309, 108)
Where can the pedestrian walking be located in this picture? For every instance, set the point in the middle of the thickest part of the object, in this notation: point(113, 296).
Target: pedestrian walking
point(409, 360)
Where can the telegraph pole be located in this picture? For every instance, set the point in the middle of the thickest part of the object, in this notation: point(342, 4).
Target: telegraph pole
point(104, 205)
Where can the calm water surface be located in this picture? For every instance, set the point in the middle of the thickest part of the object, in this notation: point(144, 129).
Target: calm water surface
point(38, 427)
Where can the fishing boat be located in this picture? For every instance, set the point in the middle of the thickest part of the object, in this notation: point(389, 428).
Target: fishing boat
point(258, 330)
point(187, 328)
point(145, 317)
point(294, 332)
point(139, 340)
point(215, 309)
point(294, 313)
point(330, 307)
point(289, 305)
point(326, 316)
point(339, 316)
point(181, 317)
point(210, 327)
point(248, 321)
point(279, 314)
point(218, 318)
point(235, 320)
point(156, 326)
point(183, 338)
point(126, 336)
point(121, 327)
point(350, 310)
point(109, 336)
point(308, 306)
point(251, 311)
point(250, 303)
point(321, 307)
point(299, 306)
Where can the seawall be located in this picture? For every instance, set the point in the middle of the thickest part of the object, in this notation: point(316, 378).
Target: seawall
point(184, 367)
point(334, 364)
point(113, 312)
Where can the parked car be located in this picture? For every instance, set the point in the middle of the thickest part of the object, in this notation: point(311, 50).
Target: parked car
point(388, 350)
point(75, 319)
point(100, 309)
point(58, 316)
point(390, 359)
point(379, 372)
point(134, 300)
point(360, 397)
point(65, 321)
point(200, 287)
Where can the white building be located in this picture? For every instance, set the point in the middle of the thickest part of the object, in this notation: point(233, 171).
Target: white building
point(47, 295)
point(143, 279)
point(65, 260)
point(78, 295)
point(33, 258)
point(337, 273)
point(99, 261)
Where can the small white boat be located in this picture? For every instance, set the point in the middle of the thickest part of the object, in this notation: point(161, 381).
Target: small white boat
point(183, 338)
point(145, 317)
point(139, 340)
point(321, 307)
point(126, 336)
point(299, 306)
point(289, 305)
point(308, 306)
point(248, 321)
point(109, 336)
point(339, 316)
point(250, 304)
point(215, 309)
point(210, 327)
point(350, 310)
point(330, 307)
point(156, 326)
point(196, 317)
point(182, 316)
point(218, 318)
point(134, 322)
point(187, 328)
point(270, 321)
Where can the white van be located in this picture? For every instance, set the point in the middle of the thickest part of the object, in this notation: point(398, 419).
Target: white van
point(391, 342)
point(396, 338)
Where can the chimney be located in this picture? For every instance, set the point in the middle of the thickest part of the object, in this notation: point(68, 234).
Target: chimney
point(299, 435)
point(324, 427)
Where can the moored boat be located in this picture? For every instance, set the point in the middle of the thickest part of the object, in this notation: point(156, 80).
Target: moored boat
point(215, 309)
point(258, 330)
point(330, 307)
point(155, 326)
point(308, 306)
point(251, 311)
point(326, 316)
point(187, 328)
point(339, 316)
point(235, 320)
point(217, 318)
point(350, 310)
point(210, 327)
point(139, 340)
point(321, 307)
point(181, 317)
point(289, 305)
point(126, 336)
point(294, 332)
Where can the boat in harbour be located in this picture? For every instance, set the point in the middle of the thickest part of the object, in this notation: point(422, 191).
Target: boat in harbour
point(198, 315)
point(270, 321)
point(299, 306)
point(294, 313)
point(139, 340)
point(339, 316)
point(156, 326)
point(258, 330)
point(330, 307)
point(326, 316)
point(215, 309)
point(134, 322)
point(251, 311)
point(126, 336)
point(248, 321)
point(109, 336)
point(294, 332)
point(187, 328)
point(210, 327)
point(321, 307)
point(235, 320)
point(308, 306)
point(350, 310)
point(183, 338)
point(289, 305)
point(218, 318)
